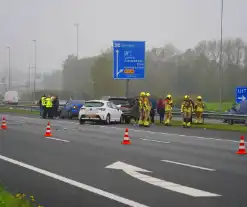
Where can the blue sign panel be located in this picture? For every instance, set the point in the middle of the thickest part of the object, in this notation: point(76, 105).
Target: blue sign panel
point(128, 60)
point(241, 94)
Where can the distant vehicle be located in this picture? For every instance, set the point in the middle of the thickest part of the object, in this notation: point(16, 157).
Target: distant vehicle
point(100, 111)
point(123, 103)
point(71, 109)
point(237, 109)
point(11, 97)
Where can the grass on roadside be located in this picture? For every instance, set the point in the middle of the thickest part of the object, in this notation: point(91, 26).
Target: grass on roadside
point(214, 106)
point(19, 111)
point(214, 126)
point(19, 200)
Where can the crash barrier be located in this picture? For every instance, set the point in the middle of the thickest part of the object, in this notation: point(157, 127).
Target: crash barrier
point(206, 115)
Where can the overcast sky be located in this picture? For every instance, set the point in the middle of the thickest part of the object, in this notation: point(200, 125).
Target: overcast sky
point(51, 23)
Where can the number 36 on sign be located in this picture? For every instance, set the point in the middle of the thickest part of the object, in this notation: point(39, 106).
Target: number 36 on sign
point(129, 71)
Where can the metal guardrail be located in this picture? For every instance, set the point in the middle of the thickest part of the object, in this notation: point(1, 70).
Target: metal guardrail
point(206, 115)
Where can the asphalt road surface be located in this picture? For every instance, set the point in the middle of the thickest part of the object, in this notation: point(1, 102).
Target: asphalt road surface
point(87, 165)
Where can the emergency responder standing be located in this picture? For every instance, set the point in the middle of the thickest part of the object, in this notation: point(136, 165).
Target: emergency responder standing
point(199, 108)
point(49, 106)
point(150, 115)
point(187, 110)
point(55, 104)
point(42, 105)
point(168, 110)
point(146, 107)
point(141, 108)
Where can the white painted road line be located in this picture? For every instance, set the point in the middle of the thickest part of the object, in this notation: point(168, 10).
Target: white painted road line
point(61, 140)
point(153, 140)
point(136, 173)
point(188, 165)
point(75, 183)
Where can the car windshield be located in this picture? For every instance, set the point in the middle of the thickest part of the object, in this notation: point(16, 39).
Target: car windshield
point(93, 104)
point(122, 102)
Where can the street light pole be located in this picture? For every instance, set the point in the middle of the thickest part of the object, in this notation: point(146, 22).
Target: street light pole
point(221, 50)
point(8, 47)
point(77, 40)
point(35, 69)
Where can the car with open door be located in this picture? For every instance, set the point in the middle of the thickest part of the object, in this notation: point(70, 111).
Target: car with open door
point(100, 111)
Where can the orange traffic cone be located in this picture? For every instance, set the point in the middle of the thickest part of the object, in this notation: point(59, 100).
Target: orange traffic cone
point(4, 124)
point(126, 139)
point(241, 148)
point(48, 130)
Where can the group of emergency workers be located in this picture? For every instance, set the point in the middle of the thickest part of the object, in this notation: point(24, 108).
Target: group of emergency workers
point(48, 106)
point(188, 107)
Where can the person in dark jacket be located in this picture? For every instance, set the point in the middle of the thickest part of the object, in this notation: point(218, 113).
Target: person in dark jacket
point(161, 109)
point(55, 107)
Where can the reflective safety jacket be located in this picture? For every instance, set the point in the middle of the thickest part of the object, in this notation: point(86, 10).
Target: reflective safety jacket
point(187, 107)
point(199, 106)
point(145, 103)
point(48, 102)
point(43, 102)
point(168, 105)
point(140, 102)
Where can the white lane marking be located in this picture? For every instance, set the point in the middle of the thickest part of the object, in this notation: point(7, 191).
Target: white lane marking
point(134, 172)
point(74, 183)
point(180, 135)
point(153, 140)
point(57, 139)
point(188, 165)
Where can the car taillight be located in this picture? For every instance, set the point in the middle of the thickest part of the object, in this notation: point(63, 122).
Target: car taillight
point(74, 107)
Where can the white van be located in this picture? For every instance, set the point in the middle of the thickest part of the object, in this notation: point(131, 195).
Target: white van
point(11, 97)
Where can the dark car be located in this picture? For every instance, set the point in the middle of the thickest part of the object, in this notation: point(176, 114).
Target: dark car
point(71, 109)
point(237, 109)
point(123, 103)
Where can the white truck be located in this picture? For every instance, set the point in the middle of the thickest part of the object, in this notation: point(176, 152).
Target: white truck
point(11, 97)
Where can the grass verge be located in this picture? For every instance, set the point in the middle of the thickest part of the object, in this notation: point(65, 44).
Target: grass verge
point(214, 106)
point(19, 111)
point(19, 200)
point(213, 126)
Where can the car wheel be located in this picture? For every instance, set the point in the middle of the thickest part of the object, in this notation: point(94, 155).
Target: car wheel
point(69, 115)
point(121, 121)
point(108, 119)
point(81, 121)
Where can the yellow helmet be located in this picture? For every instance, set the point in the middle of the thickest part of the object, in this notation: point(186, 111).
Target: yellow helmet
point(142, 94)
point(199, 97)
point(169, 96)
point(186, 97)
point(148, 94)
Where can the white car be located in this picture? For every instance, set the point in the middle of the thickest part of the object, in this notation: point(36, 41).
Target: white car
point(100, 110)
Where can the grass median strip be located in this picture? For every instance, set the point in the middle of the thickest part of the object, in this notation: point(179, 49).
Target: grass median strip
point(19, 200)
point(213, 126)
point(19, 111)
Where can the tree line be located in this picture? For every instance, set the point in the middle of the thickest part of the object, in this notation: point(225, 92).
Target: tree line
point(195, 71)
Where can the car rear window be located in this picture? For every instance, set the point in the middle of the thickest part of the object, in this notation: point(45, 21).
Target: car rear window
point(94, 104)
point(122, 102)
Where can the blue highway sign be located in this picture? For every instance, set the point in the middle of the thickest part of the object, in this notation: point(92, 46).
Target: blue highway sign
point(241, 93)
point(128, 59)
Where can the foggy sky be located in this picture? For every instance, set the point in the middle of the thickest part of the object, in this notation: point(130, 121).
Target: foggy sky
point(51, 23)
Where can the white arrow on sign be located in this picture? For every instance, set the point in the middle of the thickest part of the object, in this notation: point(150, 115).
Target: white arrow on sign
point(243, 98)
point(121, 70)
point(135, 172)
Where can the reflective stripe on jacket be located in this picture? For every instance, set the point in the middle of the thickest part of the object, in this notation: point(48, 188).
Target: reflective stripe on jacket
point(43, 101)
point(48, 102)
point(168, 105)
point(199, 106)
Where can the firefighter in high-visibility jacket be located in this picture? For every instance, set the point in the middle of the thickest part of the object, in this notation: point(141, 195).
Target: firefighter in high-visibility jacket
point(149, 107)
point(141, 108)
point(168, 110)
point(199, 108)
point(146, 111)
point(187, 110)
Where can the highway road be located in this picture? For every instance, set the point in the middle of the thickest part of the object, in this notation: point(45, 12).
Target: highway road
point(87, 165)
